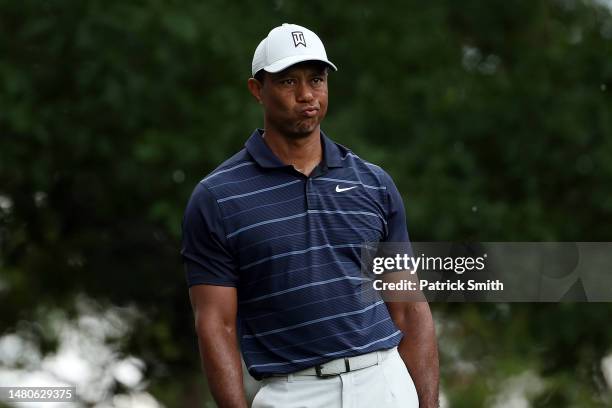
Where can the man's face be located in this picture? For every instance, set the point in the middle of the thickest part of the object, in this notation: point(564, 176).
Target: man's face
point(295, 100)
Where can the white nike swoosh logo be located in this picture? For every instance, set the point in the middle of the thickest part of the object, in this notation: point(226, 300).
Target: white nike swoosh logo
point(340, 190)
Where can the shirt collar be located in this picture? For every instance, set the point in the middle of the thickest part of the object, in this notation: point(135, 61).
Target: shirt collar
point(263, 155)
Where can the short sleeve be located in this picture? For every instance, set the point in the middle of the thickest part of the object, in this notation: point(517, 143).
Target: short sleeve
point(397, 229)
point(206, 253)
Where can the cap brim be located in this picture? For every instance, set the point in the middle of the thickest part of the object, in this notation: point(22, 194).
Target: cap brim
point(295, 59)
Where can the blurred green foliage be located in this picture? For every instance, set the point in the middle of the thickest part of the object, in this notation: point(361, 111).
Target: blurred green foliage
point(494, 118)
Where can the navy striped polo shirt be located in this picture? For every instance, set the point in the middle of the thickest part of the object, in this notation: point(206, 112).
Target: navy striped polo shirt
point(291, 245)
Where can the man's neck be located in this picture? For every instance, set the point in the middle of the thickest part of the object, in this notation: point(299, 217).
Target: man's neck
point(303, 154)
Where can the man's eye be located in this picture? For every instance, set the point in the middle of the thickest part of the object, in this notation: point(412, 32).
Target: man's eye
point(287, 82)
point(317, 80)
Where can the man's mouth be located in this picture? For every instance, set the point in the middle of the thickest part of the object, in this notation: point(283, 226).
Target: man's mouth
point(309, 112)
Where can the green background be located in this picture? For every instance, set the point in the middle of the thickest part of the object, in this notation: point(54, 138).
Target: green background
point(493, 117)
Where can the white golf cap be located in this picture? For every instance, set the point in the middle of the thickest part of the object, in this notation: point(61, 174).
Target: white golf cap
point(287, 45)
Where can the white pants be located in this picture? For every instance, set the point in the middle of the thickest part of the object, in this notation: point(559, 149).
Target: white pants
point(386, 385)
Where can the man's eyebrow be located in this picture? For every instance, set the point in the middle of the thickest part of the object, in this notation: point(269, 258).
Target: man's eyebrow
point(279, 77)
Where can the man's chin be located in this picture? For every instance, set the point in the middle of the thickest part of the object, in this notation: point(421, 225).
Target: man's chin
point(302, 131)
point(299, 129)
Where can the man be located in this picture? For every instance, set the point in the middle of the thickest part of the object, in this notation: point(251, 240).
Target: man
point(271, 246)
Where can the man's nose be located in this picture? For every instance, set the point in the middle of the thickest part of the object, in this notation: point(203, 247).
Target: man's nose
point(304, 93)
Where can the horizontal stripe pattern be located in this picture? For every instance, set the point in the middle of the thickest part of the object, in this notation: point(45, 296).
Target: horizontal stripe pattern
point(258, 224)
point(310, 322)
point(289, 271)
point(316, 339)
point(261, 190)
point(314, 302)
point(302, 251)
point(308, 231)
point(307, 285)
point(303, 214)
point(219, 172)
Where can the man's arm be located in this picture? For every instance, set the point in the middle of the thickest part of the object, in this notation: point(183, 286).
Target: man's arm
point(418, 348)
point(214, 310)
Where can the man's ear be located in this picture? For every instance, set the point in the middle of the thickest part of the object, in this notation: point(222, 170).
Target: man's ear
point(255, 88)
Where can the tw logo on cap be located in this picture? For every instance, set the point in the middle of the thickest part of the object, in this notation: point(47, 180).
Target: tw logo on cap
point(298, 38)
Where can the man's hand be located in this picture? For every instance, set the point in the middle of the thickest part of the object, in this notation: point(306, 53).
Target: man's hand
point(418, 348)
point(215, 310)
